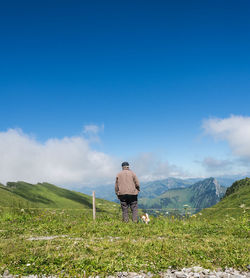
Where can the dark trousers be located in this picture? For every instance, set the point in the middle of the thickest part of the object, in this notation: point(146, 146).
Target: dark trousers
point(126, 202)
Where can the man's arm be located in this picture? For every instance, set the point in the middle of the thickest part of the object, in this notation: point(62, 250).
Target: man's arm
point(136, 181)
point(116, 186)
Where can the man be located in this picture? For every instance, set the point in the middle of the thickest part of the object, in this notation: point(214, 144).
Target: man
point(127, 187)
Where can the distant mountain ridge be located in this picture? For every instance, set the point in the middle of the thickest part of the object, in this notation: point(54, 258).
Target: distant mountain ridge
point(153, 189)
point(206, 193)
point(149, 189)
point(200, 195)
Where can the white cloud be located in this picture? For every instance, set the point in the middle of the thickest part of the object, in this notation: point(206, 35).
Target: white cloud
point(91, 132)
point(235, 130)
point(149, 167)
point(92, 129)
point(68, 161)
point(213, 165)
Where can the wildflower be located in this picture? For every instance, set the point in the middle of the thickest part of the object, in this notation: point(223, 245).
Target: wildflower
point(27, 264)
point(22, 210)
point(242, 205)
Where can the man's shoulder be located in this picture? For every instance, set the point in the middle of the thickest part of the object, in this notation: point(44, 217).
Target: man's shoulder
point(120, 173)
point(131, 172)
point(125, 172)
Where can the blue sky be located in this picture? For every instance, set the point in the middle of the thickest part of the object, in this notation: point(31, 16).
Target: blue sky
point(147, 73)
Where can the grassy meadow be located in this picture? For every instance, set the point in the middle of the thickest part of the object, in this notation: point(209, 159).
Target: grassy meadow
point(68, 243)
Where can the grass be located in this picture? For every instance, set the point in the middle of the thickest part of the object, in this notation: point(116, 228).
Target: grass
point(83, 247)
point(236, 201)
point(44, 195)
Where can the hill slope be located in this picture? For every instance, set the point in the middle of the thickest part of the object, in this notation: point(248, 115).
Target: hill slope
point(234, 203)
point(44, 195)
point(199, 195)
point(154, 189)
point(8, 199)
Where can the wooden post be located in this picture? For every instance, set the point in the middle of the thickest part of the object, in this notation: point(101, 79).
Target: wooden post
point(94, 205)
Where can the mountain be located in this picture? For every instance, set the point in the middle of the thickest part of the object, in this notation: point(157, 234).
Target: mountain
point(150, 189)
point(44, 195)
point(235, 203)
point(154, 189)
point(206, 193)
point(200, 195)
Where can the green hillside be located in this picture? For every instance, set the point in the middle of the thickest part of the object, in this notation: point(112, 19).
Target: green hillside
point(44, 195)
point(8, 199)
point(172, 199)
point(200, 195)
point(154, 189)
point(235, 203)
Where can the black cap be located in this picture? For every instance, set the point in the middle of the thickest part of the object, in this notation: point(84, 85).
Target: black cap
point(125, 164)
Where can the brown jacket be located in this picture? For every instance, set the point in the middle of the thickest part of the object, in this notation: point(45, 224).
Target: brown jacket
point(127, 183)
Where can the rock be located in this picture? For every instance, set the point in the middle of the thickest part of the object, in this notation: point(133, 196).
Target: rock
point(180, 274)
point(188, 270)
point(236, 276)
point(133, 274)
point(197, 269)
point(6, 272)
point(196, 275)
point(168, 275)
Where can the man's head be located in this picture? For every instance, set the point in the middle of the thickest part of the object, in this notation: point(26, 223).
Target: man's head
point(125, 165)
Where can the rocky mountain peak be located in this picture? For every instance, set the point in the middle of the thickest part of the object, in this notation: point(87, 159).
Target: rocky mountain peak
point(209, 185)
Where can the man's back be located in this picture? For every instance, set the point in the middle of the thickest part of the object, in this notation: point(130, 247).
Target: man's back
point(127, 183)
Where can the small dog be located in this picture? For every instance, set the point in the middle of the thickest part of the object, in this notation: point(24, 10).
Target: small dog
point(145, 218)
